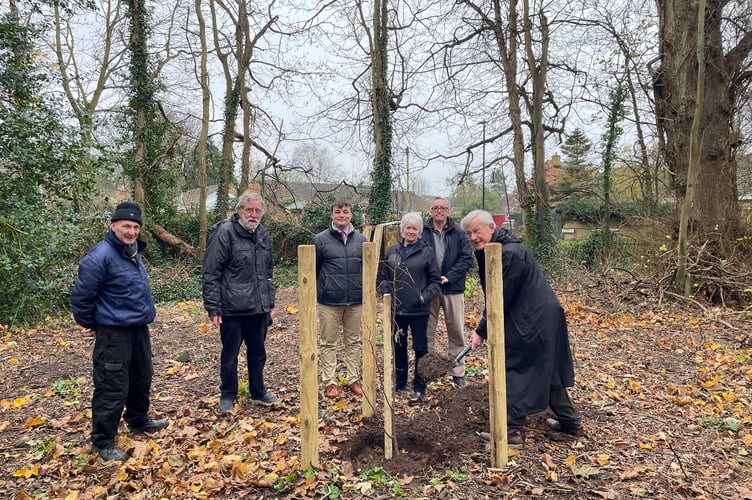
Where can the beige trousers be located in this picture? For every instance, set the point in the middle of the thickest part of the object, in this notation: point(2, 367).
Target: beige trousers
point(331, 320)
point(454, 317)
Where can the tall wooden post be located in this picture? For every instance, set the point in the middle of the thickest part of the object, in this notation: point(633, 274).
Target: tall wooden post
point(368, 327)
point(378, 238)
point(497, 387)
point(390, 440)
point(309, 393)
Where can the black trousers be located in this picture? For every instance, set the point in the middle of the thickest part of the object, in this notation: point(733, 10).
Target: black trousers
point(560, 404)
point(235, 330)
point(418, 326)
point(122, 379)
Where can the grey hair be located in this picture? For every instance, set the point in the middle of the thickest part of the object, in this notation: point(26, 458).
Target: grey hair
point(413, 218)
point(483, 217)
point(249, 196)
point(449, 204)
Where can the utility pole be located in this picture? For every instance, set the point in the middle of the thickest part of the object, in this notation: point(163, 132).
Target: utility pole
point(483, 168)
point(408, 205)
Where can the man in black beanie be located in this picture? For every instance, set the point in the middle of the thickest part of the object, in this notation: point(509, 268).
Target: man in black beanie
point(112, 297)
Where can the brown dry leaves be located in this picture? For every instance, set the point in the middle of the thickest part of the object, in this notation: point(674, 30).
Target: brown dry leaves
point(666, 396)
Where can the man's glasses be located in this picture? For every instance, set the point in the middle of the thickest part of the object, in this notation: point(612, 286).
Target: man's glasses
point(439, 209)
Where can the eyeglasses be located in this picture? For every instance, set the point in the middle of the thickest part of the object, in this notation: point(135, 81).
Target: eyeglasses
point(439, 209)
point(253, 210)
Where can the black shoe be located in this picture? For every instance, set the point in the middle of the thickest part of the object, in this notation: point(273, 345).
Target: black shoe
point(459, 381)
point(268, 399)
point(112, 453)
point(418, 397)
point(572, 430)
point(400, 388)
point(151, 425)
point(226, 404)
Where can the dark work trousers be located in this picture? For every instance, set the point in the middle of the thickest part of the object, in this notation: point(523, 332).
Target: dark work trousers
point(418, 326)
point(562, 407)
point(234, 330)
point(122, 379)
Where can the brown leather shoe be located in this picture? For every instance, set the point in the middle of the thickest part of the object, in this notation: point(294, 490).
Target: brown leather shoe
point(515, 439)
point(573, 430)
point(332, 391)
point(357, 390)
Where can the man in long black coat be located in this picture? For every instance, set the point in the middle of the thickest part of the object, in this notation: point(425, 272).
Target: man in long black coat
point(538, 357)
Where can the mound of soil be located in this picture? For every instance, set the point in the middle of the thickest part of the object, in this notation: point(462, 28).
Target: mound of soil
point(433, 366)
point(441, 432)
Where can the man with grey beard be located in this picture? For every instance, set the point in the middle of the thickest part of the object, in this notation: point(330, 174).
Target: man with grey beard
point(239, 296)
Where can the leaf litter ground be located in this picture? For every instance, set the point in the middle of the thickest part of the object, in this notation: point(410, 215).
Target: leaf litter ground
point(665, 395)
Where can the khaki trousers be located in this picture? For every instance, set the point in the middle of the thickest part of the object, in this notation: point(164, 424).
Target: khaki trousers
point(454, 317)
point(331, 319)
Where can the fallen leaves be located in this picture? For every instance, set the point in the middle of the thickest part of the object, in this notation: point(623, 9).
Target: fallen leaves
point(27, 472)
point(33, 422)
point(17, 403)
point(656, 388)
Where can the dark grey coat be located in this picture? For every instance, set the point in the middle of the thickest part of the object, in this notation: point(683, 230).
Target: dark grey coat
point(458, 255)
point(538, 356)
point(413, 281)
point(237, 274)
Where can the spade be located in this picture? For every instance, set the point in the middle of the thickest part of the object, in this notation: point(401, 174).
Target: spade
point(434, 365)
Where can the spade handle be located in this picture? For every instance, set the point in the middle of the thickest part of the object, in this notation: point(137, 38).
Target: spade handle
point(463, 353)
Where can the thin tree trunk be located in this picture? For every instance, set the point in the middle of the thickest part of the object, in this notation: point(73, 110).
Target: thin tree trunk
point(231, 103)
point(244, 50)
point(508, 58)
point(538, 69)
point(203, 137)
point(683, 280)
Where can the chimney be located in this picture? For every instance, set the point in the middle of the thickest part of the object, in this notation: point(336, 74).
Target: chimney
point(556, 160)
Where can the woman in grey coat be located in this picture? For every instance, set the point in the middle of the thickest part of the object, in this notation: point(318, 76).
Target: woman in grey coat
point(409, 272)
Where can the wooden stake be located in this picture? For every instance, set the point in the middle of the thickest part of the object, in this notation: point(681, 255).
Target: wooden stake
point(386, 326)
point(497, 386)
point(368, 327)
point(309, 393)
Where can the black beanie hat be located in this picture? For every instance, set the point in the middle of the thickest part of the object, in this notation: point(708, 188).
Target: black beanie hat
point(128, 210)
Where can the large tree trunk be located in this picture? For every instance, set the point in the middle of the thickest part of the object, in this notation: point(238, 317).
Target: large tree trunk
point(140, 94)
point(715, 213)
point(379, 200)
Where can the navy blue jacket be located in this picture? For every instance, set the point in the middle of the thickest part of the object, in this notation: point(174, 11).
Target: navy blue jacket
point(339, 267)
point(112, 289)
point(458, 255)
point(237, 272)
